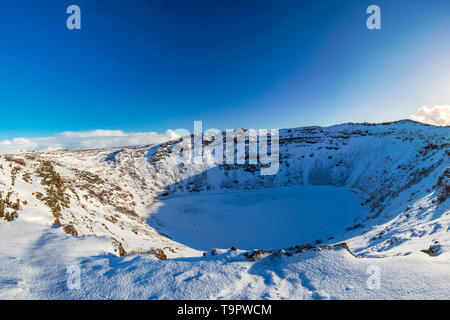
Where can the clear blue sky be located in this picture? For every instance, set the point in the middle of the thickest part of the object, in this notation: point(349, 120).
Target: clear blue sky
point(161, 64)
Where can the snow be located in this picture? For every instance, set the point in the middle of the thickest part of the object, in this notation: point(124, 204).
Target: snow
point(141, 199)
point(35, 265)
point(249, 219)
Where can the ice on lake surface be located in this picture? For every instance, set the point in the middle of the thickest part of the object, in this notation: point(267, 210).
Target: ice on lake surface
point(268, 219)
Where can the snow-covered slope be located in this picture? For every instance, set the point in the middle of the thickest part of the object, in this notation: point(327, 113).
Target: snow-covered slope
point(35, 265)
point(399, 170)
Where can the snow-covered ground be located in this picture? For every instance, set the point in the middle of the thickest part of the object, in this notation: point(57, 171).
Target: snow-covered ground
point(37, 265)
point(113, 214)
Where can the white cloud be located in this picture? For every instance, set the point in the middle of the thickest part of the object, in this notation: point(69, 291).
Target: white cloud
point(437, 115)
point(85, 140)
point(16, 145)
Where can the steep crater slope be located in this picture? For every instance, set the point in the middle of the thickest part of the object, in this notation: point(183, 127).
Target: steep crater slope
point(399, 170)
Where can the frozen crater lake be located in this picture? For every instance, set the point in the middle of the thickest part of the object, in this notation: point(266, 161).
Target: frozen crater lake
point(266, 218)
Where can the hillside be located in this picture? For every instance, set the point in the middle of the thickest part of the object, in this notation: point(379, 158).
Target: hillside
point(387, 187)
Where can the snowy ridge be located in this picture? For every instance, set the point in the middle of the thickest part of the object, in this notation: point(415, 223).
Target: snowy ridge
point(394, 167)
point(400, 171)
